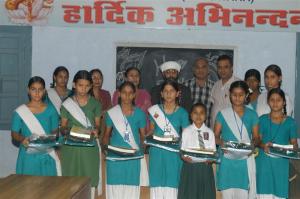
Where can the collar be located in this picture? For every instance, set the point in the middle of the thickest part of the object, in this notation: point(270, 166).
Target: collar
point(205, 84)
point(230, 80)
point(201, 128)
point(228, 83)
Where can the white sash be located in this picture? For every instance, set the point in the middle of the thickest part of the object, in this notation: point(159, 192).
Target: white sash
point(80, 116)
point(77, 112)
point(144, 175)
point(36, 128)
point(118, 118)
point(250, 106)
point(99, 188)
point(55, 99)
point(229, 119)
point(161, 119)
point(228, 115)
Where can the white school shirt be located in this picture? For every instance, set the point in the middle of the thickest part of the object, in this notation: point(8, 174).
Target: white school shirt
point(264, 108)
point(190, 137)
point(220, 97)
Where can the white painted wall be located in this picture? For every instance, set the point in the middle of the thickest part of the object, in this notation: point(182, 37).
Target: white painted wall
point(79, 48)
point(82, 47)
point(8, 154)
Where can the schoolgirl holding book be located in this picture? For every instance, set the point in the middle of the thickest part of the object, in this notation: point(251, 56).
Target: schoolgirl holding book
point(236, 178)
point(275, 128)
point(167, 120)
point(39, 119)
point(83, 111)
point(125, 128)
point(197, 178)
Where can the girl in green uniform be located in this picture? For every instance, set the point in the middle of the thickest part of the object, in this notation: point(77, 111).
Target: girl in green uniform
point(81, 110)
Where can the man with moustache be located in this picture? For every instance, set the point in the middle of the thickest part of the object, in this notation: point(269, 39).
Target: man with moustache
point(170, 71)
point(220, 91)
point(201, 86)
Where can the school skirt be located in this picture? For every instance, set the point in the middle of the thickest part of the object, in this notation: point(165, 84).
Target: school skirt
point(196, 181)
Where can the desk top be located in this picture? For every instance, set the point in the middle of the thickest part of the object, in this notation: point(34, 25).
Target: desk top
point(46, 187)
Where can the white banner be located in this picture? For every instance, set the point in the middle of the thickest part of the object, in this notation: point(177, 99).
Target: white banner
point(245, 15)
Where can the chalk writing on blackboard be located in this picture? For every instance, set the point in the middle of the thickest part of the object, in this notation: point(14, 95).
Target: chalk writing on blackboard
point(125, 59)
point(149, 59)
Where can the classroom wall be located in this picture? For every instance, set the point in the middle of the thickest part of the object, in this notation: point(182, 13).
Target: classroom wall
point(297, 84)
point(84, 48)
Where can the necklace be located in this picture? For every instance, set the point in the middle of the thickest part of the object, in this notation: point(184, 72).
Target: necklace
point(126, 122)
point(126, 133)
point(239, 128)
point(167, 129)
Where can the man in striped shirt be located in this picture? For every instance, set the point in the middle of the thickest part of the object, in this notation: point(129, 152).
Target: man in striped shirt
point(201, 86)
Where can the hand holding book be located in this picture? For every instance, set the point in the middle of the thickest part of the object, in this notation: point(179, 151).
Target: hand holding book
point(25, 142)
point(186, 159)
point(95, 133)
point(267, 146)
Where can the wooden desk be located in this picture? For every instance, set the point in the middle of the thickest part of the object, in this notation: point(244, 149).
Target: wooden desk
point(44, 187)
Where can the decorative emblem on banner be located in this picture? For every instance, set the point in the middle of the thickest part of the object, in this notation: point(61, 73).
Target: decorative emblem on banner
point(29, 12)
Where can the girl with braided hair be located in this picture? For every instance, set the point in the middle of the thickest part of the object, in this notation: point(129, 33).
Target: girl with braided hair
point(272, 173)
point(273, 79)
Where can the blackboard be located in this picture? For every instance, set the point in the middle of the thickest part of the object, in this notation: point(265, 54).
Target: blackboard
point(148, 60)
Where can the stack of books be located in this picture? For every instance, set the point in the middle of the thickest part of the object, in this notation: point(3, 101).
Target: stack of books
point(199, 151)
point(42, 144)
point(121, 150)
point(200, 155)
point(80, 133)
point(284, 151)
point(237, 150)
point(167, 143)
point(116, 153)
point(80, 137)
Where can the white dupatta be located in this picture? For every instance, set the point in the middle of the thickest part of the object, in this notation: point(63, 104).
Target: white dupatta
point(119, 121)
point(36, 128)
point(161, 119)
point(55, 99)
point(75, 110)
point(229, 119)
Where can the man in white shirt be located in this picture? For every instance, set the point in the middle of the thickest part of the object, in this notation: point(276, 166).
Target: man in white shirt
point(220, 91)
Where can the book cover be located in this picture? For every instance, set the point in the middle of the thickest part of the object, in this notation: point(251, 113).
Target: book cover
point(121, 150)
point(199, 151)
point(80, 132)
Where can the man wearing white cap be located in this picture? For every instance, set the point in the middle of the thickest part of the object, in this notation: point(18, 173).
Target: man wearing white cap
point(170, 71)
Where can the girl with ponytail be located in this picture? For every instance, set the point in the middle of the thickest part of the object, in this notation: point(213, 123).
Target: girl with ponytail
point(273, 79)
point(272, 173)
